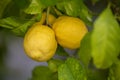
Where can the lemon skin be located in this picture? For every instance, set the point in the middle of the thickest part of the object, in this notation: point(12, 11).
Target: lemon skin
point(69, 31)
point(40, 43)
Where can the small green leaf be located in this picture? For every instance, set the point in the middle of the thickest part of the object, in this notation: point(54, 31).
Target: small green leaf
point(9, 22)
point(105, 40)
point(43, 73)
point(72, 7)
point(21, 30)
point(61, 52)
point(97, 74)
point(16, 25)
point(3, 5)
point(75, 8)
point(22, 3)
point(85, 50)
point(114, 73)
point(71, 70)
point(49, 2)
point(53, 64)
point(11, 10)
point(35, 7)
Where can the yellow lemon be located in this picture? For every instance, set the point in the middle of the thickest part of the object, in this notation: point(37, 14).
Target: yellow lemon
point(40, 43)
point(69, 31)
point(51, 18)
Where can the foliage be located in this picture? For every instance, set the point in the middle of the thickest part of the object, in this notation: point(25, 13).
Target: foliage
point(71, 70)
point(43, 73)
point(100, 47)
point(105, 40)
point(114, 72)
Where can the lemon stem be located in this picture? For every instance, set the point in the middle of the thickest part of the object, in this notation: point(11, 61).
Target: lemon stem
point(109, 5)
point(57, 11)
point(48, 11)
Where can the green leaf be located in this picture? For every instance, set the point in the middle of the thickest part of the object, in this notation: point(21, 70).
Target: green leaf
point(53, 64)
point(22, 3)
point(9, 22)
point(96, 74)
point(3, 5)
point(49, 2)
point(75, 8)
point(16, 25)
point(71, 8)
point(43, 73)
point(71, 70)
point(11, 10)
point(21, 30)
point(61, 52)
point(105, 40)
point(35, 7)
point(94, 1)
point(85, 50)
point(114, 73)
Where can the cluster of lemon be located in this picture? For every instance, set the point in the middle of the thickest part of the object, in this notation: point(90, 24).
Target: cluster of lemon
point(40, 41)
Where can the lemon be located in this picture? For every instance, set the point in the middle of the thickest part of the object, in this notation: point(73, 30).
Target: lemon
point(69, 31)
point(40, 43)
point(51, 18)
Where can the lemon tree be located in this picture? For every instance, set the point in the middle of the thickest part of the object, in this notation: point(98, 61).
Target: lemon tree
point(53, 29)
